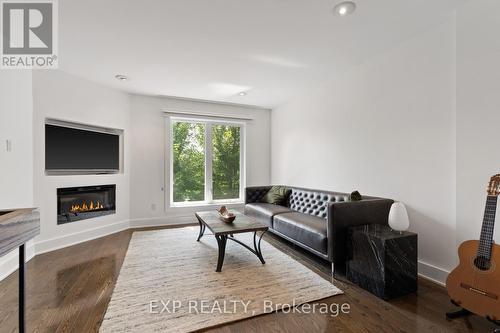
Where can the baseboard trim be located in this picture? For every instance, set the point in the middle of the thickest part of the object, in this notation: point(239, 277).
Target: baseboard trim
point(433, 273)
point(9, 263)
point(57, 243)
point(162, 221)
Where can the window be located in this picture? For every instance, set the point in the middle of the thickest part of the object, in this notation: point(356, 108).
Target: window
point(206, 162)
point(188, 152)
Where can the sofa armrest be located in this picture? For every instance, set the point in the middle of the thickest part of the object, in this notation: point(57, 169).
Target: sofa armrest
point(342, 215)
point(255, 193)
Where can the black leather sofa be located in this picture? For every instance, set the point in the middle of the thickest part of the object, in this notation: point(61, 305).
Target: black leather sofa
point(317, 220)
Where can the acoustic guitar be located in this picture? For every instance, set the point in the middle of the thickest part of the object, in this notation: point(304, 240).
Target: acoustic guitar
point(475, 284)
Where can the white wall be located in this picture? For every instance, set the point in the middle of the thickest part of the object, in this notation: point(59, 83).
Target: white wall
point(16, 166)
point(16, 125)
point(149, 174)
point(478, 111)
point(385, 128)
point(62, 96)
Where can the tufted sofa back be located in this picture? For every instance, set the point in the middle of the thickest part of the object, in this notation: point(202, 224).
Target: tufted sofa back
point(313, 202)
point(303, 200)
point(255, 193)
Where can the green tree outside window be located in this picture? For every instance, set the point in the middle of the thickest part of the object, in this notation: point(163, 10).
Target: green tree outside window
point(188, 161)
point(226, 162)
point(188, 154)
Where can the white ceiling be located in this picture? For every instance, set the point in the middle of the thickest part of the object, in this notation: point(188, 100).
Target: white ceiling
point(213, 49)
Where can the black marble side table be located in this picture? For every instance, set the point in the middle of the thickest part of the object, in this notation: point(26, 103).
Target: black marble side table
point(382, 261)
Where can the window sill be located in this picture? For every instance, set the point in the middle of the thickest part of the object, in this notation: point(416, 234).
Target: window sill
point(205, 205)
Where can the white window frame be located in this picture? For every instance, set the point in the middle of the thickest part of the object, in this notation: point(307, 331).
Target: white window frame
point(208, 161)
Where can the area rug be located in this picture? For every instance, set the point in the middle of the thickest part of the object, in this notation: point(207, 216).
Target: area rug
point(168, 283)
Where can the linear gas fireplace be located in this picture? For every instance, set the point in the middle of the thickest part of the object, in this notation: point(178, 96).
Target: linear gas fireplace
point(80, 203)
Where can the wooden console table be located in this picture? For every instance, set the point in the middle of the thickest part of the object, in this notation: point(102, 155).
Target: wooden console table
point(16, 228)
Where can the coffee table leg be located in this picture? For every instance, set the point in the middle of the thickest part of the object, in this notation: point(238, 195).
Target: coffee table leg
point(202, 229)
point(256, 246)
point(221, 241)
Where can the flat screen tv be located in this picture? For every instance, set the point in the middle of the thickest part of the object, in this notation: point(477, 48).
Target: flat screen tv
point(77, 150)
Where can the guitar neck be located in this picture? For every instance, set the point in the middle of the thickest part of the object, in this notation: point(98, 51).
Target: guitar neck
point(486, 241)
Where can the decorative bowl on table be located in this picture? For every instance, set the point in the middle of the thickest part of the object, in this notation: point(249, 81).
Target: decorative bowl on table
point(225, 215)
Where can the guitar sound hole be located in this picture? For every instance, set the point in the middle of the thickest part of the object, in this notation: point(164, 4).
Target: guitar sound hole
point(482, 263)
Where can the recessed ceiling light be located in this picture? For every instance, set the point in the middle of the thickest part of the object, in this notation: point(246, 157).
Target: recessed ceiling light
point(344, 8)
point(121, 77)
point(243, 93)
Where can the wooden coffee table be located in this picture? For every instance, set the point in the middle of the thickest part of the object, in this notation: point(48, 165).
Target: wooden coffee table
point(224, 231)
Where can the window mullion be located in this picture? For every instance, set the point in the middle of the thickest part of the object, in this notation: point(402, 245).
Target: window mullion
point(208, 163)
point(242, 161)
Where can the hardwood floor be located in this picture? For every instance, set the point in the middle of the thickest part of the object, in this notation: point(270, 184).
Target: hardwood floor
point(68, 291)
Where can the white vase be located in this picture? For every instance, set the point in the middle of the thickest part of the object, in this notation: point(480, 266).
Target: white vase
point(398, 217)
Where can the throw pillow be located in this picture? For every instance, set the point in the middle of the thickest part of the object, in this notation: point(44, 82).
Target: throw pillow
point(277, 195)
point(355, 196)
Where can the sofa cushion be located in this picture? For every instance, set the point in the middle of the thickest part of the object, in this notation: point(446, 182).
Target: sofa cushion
point(306, 229)
point(264, 212)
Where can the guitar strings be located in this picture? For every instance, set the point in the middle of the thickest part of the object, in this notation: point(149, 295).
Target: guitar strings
point(483, 258)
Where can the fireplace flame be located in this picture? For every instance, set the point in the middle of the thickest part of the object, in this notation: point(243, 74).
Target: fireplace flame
point(84, 207)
